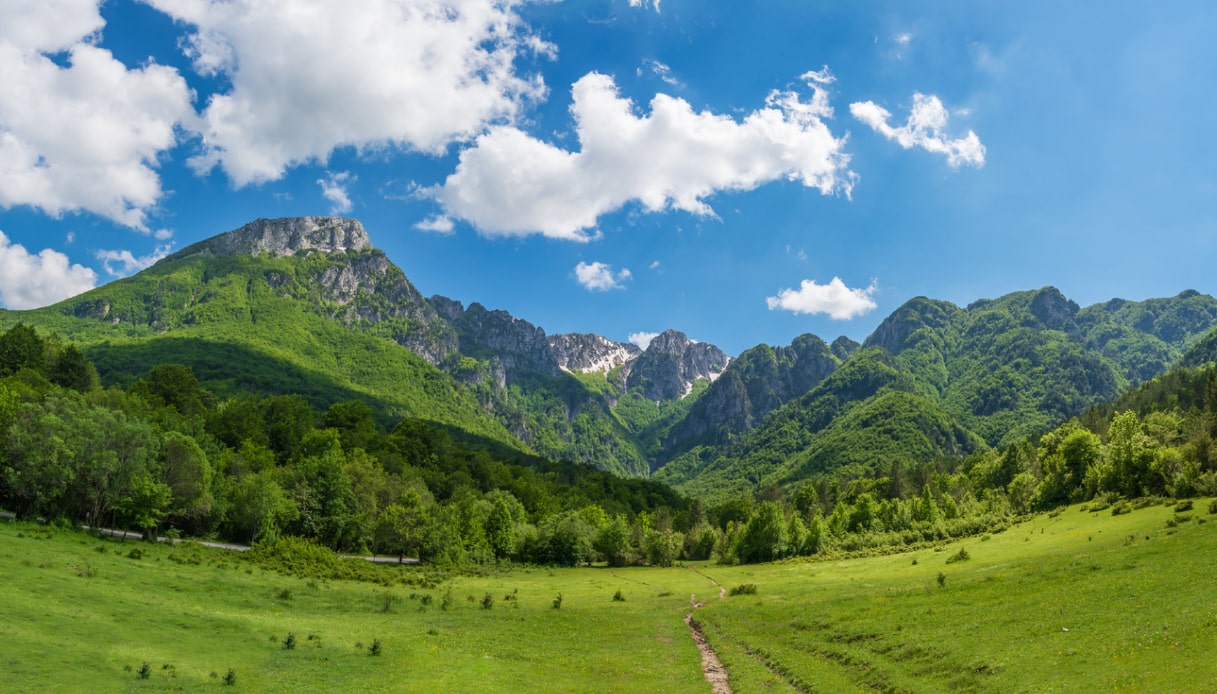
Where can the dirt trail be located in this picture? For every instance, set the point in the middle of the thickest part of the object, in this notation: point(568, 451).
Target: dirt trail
point(722, 591)
point(711, 666)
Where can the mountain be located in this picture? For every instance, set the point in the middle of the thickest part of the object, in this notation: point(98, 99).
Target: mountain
point(933, 380)
point(308, 305)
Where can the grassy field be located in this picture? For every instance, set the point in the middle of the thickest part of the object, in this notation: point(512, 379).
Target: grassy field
point(1080, 601)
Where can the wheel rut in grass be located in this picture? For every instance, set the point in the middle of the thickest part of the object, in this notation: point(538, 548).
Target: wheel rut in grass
point(722, 592)
point(711, 666)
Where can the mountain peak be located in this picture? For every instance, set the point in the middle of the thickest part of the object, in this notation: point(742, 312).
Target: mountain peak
point(287, 236)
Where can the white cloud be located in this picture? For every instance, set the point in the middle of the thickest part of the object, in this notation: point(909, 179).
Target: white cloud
point(32, 281)
point(126, 262)
point(334, 189)
point(309, 76)
point(86, 136)
point(835, 299)
point(642, 339)
point(512, 184)
point(924, 129)
point(654, 264)
point(903, 38)
point(660, 70)
point(599, 277)
point(645, 3)
point(438, 224)
point(162, 234)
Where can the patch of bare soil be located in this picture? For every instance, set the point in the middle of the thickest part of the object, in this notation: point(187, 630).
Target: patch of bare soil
point(711, 666)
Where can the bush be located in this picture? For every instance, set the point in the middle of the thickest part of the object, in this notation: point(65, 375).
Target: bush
point(942, 580)
point(487, 601)
point(145, 671)
point(374, 649)
point(135, 553)
point(386, 602)
point(1185, 505)
point(1120, 508)
point(1213, 506)
point(743, 589)
point(961, 555)
point(230, 679)
point(618, 597)
point(283, 594)
point(289, 643)
point(558, 602)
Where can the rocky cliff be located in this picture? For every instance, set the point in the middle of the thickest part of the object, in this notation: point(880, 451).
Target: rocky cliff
point(672, 363)
point(758, 382)
point(585, 353)
point(288, 236)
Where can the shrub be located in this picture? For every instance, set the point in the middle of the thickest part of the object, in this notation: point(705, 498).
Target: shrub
point(1213, 506)
point(618, 597)
point(289, 643)
point(743, 589)
point(1185, 505)
point(961, 555)
point(145, 671)
point(283, 594)
point(942, 580)
point(426, 599)
point(447, 601)
point(558, 602)
point(1120, 508)
point(374, 649)
point(230, 679)
point(386, 602)
point(487, 601)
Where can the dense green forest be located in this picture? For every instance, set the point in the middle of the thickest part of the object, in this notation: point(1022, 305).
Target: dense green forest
point(165, 454)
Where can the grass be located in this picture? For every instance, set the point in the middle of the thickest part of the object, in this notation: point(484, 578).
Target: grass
point(1076, 602)
point(1079, 601)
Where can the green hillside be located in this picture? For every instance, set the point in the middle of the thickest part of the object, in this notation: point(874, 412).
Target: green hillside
point(259, 324)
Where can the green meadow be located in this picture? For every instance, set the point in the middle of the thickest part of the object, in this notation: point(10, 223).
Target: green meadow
point(1077, 600)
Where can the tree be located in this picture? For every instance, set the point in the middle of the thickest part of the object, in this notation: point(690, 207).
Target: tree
point(174, 386)
point(71, 370)
point(21, 348)
point(188, 475)
point(354, 423)
point(259, 508)
point(764, 538)
point(1130, 453)
point(500, 530)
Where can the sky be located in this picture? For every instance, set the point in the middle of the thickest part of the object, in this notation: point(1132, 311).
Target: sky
point(742, 172)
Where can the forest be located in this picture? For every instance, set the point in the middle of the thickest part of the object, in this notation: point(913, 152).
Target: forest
point(165, 455)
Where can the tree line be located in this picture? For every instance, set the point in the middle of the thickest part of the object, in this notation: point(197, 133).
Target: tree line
point(166, 455)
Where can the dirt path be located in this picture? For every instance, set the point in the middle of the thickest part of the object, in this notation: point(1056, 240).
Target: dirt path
point(711, 666)
point(722, 591)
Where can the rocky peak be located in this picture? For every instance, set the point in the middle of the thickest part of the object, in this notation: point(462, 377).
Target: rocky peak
point(497, 335)
point(584, 352)
point(672, 363)
point(288, 236)
point(1053, 309)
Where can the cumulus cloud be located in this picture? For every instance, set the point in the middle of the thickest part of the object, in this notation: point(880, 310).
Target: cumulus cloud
point(642, 339)
point(334, 189)
point(438, 224)
point(925, 129)
point(86, 136)
point(31, 281)
point(123, 263)
point(599, 277)
point(645, 3)
point(512, 184)
point(309, 76)
point(835, 299)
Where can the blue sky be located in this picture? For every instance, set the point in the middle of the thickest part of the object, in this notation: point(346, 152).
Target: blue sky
point(743, 172)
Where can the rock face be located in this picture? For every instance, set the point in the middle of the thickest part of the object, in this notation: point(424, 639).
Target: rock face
point(497, 335)
point(671, 363)
point(761, 380)
point(584, 352)
point(285, 237)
